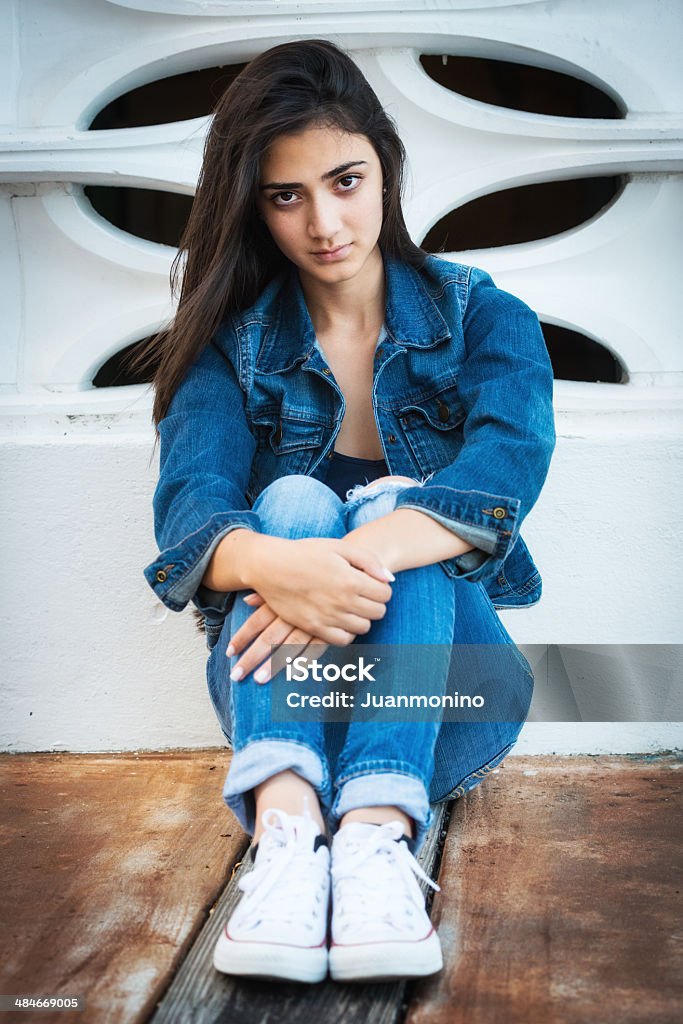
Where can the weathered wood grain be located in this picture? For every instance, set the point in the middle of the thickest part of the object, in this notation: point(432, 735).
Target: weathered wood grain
point(560, 903)
point(110, 864)
point(201, 995)
point(560, 900)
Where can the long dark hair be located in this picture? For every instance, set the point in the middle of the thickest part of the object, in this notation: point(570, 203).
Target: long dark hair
point(226, 255)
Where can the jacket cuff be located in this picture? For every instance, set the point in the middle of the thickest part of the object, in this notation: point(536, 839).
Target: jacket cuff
point(489, 521)
point(176, 575)
point(214, 604)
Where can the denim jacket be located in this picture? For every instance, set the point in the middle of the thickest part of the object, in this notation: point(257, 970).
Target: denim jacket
point(462, 397)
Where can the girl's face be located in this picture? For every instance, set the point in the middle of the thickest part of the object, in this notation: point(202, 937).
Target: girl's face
point(320, 196)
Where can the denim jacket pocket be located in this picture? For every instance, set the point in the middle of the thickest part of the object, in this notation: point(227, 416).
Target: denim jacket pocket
point(285, 435)
point(430, 426)
point(283, 446)
point(282, 434)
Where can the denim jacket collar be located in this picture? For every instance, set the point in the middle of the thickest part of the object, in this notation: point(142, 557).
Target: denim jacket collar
point(412, 317)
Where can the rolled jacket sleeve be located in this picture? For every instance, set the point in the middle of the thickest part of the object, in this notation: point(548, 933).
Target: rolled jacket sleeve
point(206, 451)
point(506, 388)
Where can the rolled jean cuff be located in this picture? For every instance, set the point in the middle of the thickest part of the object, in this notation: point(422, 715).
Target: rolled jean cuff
point(261, 759)
point(383, 789)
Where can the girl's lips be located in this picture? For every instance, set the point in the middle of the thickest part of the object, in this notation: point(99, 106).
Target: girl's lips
point(336, 254)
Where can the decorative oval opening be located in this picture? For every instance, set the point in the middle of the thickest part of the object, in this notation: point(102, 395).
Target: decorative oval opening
point(116, 373)
point(523, 214)
point(573, 355)
point(176, 98)
point(524, 87)
point(145, 212)
point(577, 357)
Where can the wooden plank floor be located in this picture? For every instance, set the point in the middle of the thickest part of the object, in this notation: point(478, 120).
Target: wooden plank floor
point(560, 898)
point(560, 903)
point(110, 864)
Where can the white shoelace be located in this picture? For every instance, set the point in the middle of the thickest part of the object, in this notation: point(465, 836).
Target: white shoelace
point(281, 846)
point(362, 901)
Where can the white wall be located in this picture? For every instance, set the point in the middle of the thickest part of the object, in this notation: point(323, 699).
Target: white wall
point(92, 660)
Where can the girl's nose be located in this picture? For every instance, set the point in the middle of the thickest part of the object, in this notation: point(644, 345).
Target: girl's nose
point(324, 223)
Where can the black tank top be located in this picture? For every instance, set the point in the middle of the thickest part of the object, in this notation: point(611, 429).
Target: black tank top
point(344, 472)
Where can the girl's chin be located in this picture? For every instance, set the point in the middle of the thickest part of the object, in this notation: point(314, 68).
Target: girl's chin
point(335, 275)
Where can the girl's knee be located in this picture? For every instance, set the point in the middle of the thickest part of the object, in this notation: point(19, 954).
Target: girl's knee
point(301, 506)
point(376, 499)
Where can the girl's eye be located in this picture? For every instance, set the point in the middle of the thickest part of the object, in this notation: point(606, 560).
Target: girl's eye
point(350, 178)
point(279, 196)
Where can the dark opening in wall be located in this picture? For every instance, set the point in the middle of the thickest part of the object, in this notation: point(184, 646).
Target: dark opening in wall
point(177, 98)
point(113, 374)
point(156, 215)
point(520, 86)
point(503, 218)
point(145, 212)
point(573, 356)
point(577, 357)
point(522, 214)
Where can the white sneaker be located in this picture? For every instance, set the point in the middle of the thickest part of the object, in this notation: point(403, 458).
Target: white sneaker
point(380, 927)
point(279, 927)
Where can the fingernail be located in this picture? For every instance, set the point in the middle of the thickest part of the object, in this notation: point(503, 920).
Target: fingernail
point(230, 651)
point(237, 674)
point(261, 675)
point(389, 575)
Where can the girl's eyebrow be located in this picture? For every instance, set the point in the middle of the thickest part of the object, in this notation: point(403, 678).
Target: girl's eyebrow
point(324, 177)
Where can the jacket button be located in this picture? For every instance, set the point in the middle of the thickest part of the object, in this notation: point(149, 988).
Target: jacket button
point(444, 412)
point(499, 513)
point(161, 576)
point(330, 454)
point(391, 438)
point(278, 434)
point(327, 372)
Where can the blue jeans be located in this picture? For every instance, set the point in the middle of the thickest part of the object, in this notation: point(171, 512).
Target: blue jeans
point(410, 765)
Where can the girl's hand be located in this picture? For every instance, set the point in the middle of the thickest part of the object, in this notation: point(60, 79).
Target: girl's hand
point(261, 630)
point(328, 588)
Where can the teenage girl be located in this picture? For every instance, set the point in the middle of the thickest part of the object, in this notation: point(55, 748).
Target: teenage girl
point(352, 432)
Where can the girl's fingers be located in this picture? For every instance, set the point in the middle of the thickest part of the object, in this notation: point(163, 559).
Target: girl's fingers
point(357, 625)
point(365, 608)
point(274, 634)
point(340, 637)
point(298, 642)
point(316, 648)
point(253, 627)
point(294, 644)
